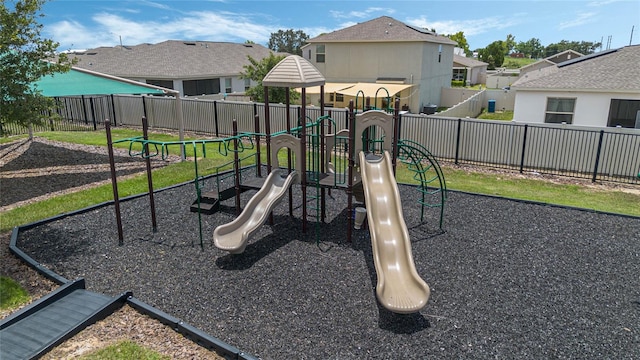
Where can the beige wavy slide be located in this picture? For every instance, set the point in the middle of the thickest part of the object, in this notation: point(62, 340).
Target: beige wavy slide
point(400, 289)
point(233, 236)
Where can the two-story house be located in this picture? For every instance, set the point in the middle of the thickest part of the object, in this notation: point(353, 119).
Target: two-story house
point(414, 63)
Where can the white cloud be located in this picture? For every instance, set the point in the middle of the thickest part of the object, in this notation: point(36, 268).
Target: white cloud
point(108, 28)
point(601, 3)
point(315, 31)
point(156, 5)
point(580, 19)
point(366, 13)
point(221, 27)
point(469, 27)
point(73, 35)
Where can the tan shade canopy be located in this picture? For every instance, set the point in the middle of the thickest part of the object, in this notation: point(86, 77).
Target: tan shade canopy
point(294, 72)
point(328, 88)
point(370, 89)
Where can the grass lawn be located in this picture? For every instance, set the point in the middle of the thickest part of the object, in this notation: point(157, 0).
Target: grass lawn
point(124, 350)
point(12, 294)
point(506, 115)
point(517, 63)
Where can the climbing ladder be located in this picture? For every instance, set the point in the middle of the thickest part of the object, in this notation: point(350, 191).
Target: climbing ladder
point(427, 173)
point(54, 318)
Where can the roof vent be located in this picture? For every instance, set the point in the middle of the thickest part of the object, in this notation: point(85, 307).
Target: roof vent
point(190, 43)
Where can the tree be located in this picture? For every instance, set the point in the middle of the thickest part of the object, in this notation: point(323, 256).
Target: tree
point(583, 47)
point(288, 41)
point(493, 54)
point(22, 62)
point(510, 44)
point(462, 42)
point(531, 48)
point(256, 71)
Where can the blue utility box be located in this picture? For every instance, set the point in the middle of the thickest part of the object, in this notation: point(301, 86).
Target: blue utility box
point(492, 106)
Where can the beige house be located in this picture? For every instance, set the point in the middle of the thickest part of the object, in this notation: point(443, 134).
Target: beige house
point(550, 61)
point(194, 68)
point(379, 56)
point(469, 69)
point(601, 89)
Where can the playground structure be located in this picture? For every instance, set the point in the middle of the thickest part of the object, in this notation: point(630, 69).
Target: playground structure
point(361, 160)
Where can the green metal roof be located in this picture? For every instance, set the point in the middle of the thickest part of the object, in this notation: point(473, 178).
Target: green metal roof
point(75, 82)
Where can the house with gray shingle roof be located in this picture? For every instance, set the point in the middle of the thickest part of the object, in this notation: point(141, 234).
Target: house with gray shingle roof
point(601, 89)
point(469, 69)
point(194, 68)
point(385, 51)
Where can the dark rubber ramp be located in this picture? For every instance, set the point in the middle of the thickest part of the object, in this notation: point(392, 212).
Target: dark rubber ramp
point(38, 328)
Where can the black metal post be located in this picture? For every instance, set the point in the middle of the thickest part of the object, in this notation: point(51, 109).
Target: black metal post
point(351, 121)
point(114, 181)
point(595, 167)
point(256, 119)
point(144, 107)
point(152, 203)
point(303, 162)
point(458, 141)
point(215, 117)
point(524, 147)
point(84, 110)
point(113, 110)
point(93, 114)
point(236, 165)
point(288, 120)
point(267, 127)
point(396, 134)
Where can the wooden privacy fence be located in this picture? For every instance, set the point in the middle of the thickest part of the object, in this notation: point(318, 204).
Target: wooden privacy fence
point(606, 154)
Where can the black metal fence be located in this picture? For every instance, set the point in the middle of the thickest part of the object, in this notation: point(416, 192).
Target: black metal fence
point(610, 154)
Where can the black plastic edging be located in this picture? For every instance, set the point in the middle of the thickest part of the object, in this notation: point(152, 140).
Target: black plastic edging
point(196, 335)
point(31, 262)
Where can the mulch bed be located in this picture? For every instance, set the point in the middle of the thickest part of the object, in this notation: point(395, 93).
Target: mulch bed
point(48, 168)
point(508, 279)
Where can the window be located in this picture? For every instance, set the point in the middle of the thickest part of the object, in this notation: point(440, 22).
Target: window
point(320, 53)
point(201, 87)
point(309, 54)
point(168, 84)
point(559, 110)
point(247, 84)
point(227, 86)
point(458, 74)
point(624, 113)
point(338, 97)
point(440, 53)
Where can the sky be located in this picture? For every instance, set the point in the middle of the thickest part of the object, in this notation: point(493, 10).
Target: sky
point(86, 24)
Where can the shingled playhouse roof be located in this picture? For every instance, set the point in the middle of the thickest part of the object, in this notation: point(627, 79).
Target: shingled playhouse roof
point(294, 72)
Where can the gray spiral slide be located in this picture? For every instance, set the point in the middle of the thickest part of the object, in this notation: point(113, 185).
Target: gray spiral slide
point(233, 237)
